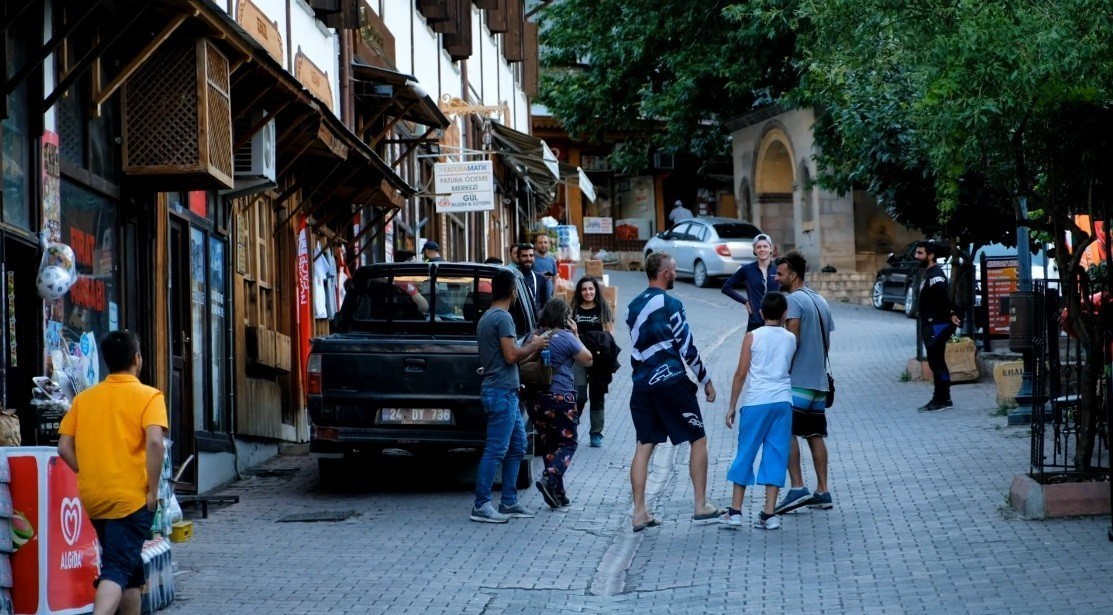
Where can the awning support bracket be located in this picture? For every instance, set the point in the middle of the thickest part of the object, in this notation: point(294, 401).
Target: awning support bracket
point(410, 148)
point(48, 49)
point(141, 58)
point(86, 61)
point(389, 217)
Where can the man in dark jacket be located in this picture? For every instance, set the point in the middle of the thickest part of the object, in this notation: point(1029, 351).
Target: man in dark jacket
point(938, 321)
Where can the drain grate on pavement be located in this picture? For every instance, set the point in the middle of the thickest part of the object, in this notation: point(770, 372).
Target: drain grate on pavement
point(271, 472)
point(324, 516)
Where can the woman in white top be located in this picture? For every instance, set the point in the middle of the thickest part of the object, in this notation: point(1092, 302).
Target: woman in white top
point(762, 379)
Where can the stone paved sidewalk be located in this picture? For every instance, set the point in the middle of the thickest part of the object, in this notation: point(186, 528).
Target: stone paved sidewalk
point(919, 523)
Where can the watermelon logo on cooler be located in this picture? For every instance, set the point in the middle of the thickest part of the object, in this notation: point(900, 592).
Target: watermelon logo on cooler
point(22, 531)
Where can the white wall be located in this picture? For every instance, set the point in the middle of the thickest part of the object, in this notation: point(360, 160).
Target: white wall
point(490, 77)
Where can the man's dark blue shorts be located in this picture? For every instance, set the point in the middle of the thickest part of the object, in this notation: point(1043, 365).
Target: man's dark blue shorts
point(121, 546)
point(670, 411)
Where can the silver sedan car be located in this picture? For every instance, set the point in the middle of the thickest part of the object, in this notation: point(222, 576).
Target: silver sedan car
point(707, 247)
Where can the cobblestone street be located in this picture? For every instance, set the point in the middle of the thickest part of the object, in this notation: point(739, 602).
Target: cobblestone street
point(920, 523)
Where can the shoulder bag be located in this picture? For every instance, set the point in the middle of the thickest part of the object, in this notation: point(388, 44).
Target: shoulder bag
point(534, 374)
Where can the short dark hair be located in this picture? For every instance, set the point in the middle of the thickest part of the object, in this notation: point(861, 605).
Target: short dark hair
point(930, 247)
point(795, 261)
point(525, 246)
point(654, 262)
point(502, 285)
point(118, 349)
point(492, 260)
point(774, 305)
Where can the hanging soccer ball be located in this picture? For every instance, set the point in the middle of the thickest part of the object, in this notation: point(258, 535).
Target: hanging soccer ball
point(59, 255)
point(53, 282)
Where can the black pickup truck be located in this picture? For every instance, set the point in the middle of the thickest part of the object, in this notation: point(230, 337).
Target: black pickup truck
point(399, 370)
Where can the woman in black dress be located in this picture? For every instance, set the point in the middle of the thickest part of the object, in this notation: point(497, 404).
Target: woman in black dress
point(591, 313)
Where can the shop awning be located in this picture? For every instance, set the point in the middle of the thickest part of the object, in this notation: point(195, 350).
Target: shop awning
point(531, 159)
point(337, 169)
point(403, 96)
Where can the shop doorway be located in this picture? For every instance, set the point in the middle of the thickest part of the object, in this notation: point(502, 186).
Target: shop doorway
point(181, 350)
point(22, 349)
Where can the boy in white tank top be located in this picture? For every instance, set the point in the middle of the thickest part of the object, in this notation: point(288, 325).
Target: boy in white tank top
point(765, 421)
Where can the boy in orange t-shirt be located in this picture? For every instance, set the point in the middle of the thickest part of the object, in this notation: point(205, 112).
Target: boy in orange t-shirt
point(112, 438)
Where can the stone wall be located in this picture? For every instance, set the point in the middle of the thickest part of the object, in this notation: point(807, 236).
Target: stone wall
point(843, 287)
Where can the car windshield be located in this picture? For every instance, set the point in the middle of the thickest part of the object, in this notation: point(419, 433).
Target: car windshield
point(736, 230)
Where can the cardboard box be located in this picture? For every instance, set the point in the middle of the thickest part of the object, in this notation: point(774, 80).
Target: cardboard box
point(610, 293)
point(593, 268)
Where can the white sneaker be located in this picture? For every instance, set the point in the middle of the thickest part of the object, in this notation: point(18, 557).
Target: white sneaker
point(772, 523)
point(488, 514)
point(731, 522)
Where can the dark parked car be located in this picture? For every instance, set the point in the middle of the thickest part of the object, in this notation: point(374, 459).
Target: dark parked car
point(897, 282)
point(399, 369)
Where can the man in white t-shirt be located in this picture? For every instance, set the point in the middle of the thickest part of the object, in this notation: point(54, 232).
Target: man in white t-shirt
point(679, 212)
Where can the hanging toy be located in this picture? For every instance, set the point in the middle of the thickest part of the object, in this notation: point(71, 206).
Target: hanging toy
point(59, 255)
point(53, 282)
point(57, 271)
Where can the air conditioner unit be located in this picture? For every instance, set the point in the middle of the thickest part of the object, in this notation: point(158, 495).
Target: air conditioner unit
point(256, 159)
point(664, 161)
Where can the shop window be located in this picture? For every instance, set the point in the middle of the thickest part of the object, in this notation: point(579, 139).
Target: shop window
point(17, 160)
point(91, 307)
point(218, 334)
point(88, 140)
point(258, 245)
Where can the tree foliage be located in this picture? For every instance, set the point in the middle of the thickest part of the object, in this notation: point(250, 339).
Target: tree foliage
point(947, 111)
point(980, 103)
point(667, 72)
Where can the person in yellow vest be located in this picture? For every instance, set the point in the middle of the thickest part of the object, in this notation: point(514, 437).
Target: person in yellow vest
point(112, 437)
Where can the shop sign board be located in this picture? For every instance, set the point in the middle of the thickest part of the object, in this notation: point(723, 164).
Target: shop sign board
point(1000, 281)
point(464, 186)
point(598, 226)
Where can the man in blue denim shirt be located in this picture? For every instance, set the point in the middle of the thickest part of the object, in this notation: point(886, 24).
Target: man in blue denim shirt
point(756, 278)
point(499, 356)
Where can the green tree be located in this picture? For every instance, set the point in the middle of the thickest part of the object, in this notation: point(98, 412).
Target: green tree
point(988, 102)
point(668, 72)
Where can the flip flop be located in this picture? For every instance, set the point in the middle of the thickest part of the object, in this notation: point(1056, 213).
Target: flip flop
point(712, 516)
point(651, 523)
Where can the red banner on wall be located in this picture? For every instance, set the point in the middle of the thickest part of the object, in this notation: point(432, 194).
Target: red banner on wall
point(305, 297)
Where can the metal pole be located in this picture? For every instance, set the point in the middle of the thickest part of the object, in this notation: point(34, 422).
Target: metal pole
point(1023, 412)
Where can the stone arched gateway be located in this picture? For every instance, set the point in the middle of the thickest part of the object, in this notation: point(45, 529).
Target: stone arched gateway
point(774, 180)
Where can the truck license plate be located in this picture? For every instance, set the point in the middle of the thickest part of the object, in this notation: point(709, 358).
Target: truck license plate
point(415, 416)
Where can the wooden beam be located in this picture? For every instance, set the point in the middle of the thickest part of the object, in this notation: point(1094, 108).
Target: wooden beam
point(254, 101)
point(88, 60)
point(393, 121)
point(142, 57)
point(10, 18)
point(44, 52)
point(412, 144)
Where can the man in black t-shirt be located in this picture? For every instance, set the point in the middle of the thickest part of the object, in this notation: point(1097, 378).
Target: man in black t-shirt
point(938, 321)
